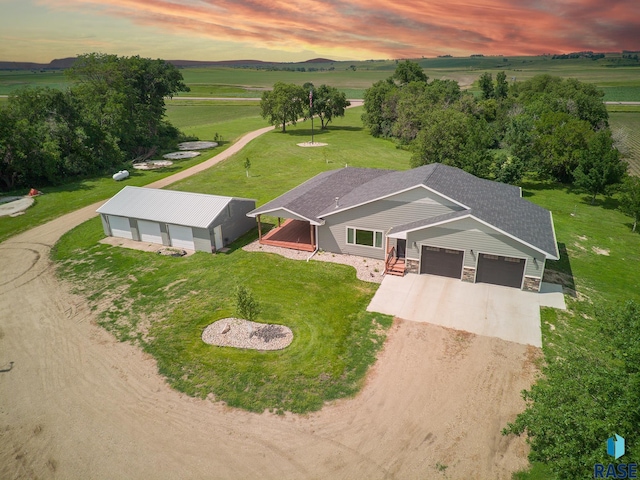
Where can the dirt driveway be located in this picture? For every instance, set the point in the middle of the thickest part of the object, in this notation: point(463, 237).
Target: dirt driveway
point(78, 405)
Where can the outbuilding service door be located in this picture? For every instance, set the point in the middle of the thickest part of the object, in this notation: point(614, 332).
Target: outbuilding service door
point(120, 227)
point(181, 237)
point(149, 232)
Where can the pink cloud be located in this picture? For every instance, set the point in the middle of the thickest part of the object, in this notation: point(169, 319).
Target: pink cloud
point(380, 28)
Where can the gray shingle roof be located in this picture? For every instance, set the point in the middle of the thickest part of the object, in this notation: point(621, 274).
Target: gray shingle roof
point(497, 204)
point(313, 196)
point(168, 206)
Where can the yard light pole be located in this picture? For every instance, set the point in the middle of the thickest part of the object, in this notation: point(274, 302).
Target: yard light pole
point(311, 110)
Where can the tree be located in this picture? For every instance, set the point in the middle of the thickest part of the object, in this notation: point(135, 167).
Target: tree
point(328, 103)
point(585, 396)
point(247, 166)
point(599, 165)
point(502, 87)
point(453, 138)
point(408, 71)
point(559, 141)
point(125, 98)
point(284, 104)
point(630, 199)
point(486, 85)
point(376, 101)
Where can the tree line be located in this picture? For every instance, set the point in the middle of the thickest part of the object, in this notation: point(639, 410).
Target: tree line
point(553, 127)
point(114, 112)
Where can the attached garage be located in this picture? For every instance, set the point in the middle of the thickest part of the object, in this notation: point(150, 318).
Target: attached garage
point(499, 270)
point(181, 237)
point(119, 227)
point(150, 232)
point(441, 261)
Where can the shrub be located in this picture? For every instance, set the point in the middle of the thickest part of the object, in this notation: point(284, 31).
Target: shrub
point(247, 307)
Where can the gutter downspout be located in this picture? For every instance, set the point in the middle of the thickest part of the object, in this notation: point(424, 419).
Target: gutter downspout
point(316, 250)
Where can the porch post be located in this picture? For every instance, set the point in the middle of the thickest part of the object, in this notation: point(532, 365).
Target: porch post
point(312, 235)
point(259, 230)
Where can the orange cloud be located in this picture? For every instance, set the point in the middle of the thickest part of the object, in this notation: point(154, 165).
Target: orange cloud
point(379, 28)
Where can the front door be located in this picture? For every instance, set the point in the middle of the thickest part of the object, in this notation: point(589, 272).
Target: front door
point(401, 247)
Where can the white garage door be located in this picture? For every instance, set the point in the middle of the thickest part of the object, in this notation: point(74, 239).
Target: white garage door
point(181, 237)
point(149, 231)
point(120, 227)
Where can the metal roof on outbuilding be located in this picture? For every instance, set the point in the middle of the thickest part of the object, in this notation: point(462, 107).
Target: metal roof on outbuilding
point(167, 206)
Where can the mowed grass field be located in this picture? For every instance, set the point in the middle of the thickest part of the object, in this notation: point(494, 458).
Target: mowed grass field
point(629, 123)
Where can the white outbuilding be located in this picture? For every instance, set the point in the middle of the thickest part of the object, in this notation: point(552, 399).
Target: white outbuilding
point(193, 221)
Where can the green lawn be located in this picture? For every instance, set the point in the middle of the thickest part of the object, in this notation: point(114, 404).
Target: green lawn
point(164, 304)
point(278, 164)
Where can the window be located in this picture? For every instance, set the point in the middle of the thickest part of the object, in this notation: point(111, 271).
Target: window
point(366, 238)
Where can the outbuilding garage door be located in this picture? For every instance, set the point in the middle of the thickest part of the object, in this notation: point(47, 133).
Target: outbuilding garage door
point(120, 227)
point(181, 237)
point(498, 270)
point(441, 261)
point(149, 232)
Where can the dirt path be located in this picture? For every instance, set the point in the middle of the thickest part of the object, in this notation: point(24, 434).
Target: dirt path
point(77, 404)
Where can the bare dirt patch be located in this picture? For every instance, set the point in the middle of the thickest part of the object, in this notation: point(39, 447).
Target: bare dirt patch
point(600, 251)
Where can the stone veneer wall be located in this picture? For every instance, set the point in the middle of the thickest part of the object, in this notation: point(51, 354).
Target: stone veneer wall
point(531, 284)
point(412, 266)
point(469, 274)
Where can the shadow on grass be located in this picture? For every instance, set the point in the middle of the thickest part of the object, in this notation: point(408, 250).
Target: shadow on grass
point(560, 272)
point(306, 132)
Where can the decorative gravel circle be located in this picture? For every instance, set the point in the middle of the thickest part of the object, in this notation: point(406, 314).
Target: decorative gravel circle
point(196, 145)
point(181, 155)
point(239, 333)
point(153, 164)
point(312, 144)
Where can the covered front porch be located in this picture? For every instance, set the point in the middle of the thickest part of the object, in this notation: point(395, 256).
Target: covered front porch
point(294, 234)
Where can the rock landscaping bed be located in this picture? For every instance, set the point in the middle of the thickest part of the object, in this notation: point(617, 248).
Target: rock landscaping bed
point(239, 333)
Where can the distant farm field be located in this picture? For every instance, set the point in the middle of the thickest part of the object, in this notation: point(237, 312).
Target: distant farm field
point(619, 82)
point(629, 123)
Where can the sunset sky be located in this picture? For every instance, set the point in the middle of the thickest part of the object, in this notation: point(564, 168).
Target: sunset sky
point(277, 30)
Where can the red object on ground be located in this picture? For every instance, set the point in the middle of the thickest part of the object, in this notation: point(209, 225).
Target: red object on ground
point(33, 192)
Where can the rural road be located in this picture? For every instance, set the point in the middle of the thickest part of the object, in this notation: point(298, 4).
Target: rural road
point(77, 404)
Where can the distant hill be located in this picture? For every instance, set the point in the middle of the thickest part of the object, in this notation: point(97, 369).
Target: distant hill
point(63, 63)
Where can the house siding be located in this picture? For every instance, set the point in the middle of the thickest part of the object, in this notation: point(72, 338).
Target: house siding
point(469, 234)
point(381, 215)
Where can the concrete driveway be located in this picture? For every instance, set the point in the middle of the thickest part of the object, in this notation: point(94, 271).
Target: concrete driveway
point(480, 308)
